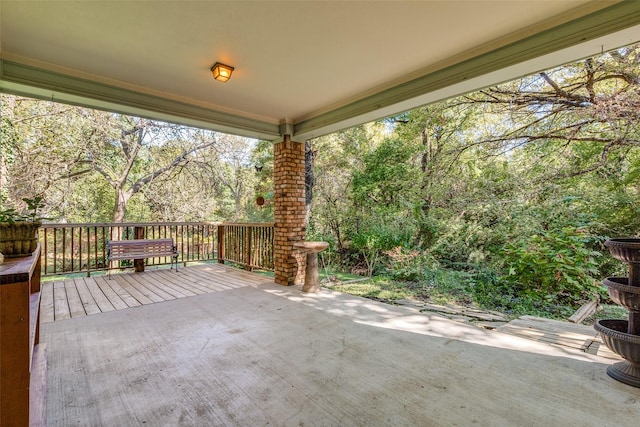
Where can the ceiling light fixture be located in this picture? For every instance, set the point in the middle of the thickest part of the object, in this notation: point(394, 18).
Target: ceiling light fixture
point(221, 72)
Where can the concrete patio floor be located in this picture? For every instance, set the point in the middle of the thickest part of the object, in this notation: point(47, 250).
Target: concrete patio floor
point(270, 355)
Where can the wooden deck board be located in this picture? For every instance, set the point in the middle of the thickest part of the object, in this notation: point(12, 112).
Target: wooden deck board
point(98, 294)
point(171, 288)
point(88, 302)
point(225, 281)
point(125, 286)
point(156, 292)
point(61, 304)
point(178, 282)
point(556, 332)
point(129, 300)
point(116, 301)
point(73, 298)
point(209, 283)
point(147, 288)
point(99, 297)
point(46, 302)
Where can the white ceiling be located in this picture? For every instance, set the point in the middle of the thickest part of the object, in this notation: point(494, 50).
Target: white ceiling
point(316, 66)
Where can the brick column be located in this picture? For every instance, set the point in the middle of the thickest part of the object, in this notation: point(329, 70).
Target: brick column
point(288, 212)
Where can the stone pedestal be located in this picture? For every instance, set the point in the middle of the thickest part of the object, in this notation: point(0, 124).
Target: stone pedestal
point(311, 276)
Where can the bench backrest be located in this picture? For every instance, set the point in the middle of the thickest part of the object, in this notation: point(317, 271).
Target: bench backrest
point(146, 248)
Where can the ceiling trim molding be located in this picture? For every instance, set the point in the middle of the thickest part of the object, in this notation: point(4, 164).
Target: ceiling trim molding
point(598, 24)
point(26, 80)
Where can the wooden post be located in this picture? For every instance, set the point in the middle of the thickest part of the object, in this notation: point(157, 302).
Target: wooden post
point(19, 337)
point(138, 264)
point(247, 247)
point(221, 244)
point(14, 357)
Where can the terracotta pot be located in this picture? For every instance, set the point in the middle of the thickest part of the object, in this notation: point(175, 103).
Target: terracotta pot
point(18, 239)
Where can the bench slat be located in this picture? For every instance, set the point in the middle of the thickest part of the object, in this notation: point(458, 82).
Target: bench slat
point(141, 248)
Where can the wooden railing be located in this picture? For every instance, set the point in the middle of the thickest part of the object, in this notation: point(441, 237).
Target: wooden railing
point(23, 360)
point(247, 244)
point(74, 248)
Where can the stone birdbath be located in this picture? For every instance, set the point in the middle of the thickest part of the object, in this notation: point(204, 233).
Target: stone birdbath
point(311, 276)
point(623, 336)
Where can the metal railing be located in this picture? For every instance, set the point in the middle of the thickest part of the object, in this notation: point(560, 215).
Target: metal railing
point(75, 248)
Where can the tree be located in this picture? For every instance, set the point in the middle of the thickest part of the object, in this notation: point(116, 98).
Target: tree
point(583, 114)
point(37, 146)
point(230, 165)
point(52, 148)
point(336, 157)
point(130, 153)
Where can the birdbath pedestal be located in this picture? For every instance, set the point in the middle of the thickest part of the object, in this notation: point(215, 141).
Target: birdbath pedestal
point(311, 276)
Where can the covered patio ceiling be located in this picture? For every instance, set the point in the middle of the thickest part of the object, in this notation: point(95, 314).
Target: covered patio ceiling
point(303, 68)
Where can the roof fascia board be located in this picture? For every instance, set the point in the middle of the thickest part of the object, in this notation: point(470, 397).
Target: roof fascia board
point(26, 80)
point(600, 23)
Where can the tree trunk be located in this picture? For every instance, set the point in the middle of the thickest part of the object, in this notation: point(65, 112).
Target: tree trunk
point(120, 208)
point(309, 180)
point(425, 234)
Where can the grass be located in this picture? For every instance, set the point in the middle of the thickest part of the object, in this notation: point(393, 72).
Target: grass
point(439, 287)
point(610, 311)
point(447, 287)
point(378, 288)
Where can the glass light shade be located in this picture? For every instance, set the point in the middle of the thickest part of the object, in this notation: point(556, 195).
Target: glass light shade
point(221, 72)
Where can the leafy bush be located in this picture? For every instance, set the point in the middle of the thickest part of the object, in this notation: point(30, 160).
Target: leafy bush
point(556, 266)
point(490, 291)
point(378, 234)
point(408, 264)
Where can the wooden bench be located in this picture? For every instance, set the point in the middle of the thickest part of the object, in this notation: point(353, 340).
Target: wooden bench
point(118, 250)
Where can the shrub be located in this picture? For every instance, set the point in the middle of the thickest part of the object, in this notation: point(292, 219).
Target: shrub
point(408, 264)
point(554, 266)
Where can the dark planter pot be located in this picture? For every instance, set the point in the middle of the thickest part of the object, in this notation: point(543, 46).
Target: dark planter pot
point(622, 293)
point(624, 249)
point(613, 333)
point(18, 239)
point(627, 250)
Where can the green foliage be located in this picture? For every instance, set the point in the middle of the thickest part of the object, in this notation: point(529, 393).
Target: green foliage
point(386, 176)
point(379, 288)
point(380, 233)
point(556, 266)
point(409, 265)
point(10, 215)
point(30, 214)
point(489, 292)
point(437, 286)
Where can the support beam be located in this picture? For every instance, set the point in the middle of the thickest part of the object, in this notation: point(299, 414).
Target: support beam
point(289, 207)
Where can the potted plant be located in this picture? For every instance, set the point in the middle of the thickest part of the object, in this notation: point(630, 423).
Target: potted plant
point(18, 231)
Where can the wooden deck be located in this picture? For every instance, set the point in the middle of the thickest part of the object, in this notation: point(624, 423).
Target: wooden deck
point(564, 334)
point(84, 296)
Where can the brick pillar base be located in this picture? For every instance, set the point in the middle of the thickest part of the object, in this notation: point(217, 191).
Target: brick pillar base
point(289, 205)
